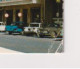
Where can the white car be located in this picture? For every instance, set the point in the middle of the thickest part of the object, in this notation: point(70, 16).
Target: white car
point(32, 29)
point(2, 27)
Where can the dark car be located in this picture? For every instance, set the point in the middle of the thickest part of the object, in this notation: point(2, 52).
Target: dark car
point(52, 30)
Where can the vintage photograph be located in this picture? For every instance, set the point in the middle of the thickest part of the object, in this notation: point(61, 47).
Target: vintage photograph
point(31, 26)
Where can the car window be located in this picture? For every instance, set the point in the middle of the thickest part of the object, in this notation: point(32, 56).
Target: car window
point(51, 25)
point(34, 25)
point(55, 25)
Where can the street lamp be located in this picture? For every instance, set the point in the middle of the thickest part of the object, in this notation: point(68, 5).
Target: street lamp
point(19, 14)
point(58, 1)
point(6, 16)
point(34, 1)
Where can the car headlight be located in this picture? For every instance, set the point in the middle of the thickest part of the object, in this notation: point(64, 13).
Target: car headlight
point(33, 28)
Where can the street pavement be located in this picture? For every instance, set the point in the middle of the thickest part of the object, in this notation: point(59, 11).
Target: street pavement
point(4, 50)
point(28, 44)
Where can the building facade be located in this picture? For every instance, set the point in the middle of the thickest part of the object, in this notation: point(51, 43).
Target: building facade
point(29, 10)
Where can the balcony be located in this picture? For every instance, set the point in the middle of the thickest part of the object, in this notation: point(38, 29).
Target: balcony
point(17, 2)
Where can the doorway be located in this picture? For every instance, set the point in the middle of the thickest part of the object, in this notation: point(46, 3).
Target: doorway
point(17, 17)
point(35, 12)
point(1, 13)
point(25, 17)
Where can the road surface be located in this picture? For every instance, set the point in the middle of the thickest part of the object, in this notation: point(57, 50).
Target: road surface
point(28, 44)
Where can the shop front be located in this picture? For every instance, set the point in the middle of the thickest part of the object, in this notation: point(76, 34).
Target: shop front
point(26, 13)
point(30, 11)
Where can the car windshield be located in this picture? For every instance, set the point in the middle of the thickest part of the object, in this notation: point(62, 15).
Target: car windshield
point(34, 25)
point(17, 23)
point(54, 25)
point(51, 25)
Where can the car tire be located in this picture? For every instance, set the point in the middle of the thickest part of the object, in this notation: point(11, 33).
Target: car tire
point(22, 33)
point(40, 36)
point(10, 33)
point(34, 35)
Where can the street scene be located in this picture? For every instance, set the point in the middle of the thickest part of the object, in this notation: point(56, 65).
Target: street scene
point(31, 26)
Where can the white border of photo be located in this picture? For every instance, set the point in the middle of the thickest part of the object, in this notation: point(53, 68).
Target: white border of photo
point(70, 57)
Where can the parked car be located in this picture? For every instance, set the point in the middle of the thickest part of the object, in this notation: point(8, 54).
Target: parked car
point(15, 27)
point(61, 34)
point(53, 30)
point(2, 27)
point(32, 28)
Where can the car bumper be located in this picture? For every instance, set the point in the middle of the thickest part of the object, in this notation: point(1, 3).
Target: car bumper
point(30, 32)
point(45, 34)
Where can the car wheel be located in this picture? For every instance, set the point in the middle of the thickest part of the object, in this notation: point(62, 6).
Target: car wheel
point(10, 33)
point(22, 33)
point(34, 35)
point(40, 36)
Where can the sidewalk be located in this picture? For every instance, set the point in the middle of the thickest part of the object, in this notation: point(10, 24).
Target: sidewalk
point(4, 50)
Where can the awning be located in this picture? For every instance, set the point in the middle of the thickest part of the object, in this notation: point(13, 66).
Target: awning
point(18, 2)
